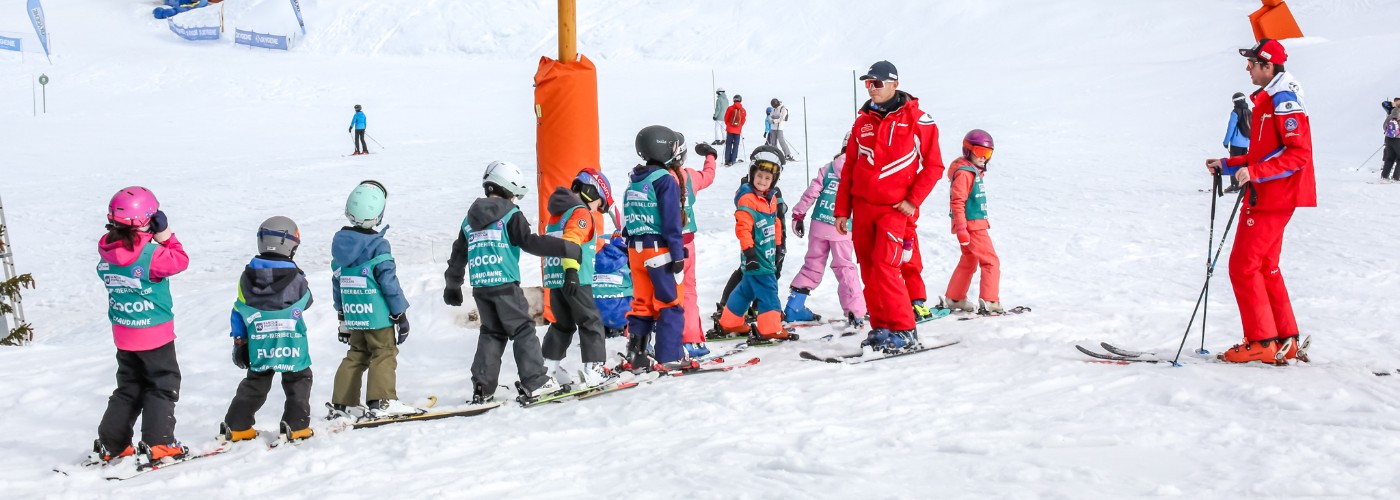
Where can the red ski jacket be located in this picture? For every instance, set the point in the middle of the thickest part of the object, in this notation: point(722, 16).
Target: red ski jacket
point(1280, 158)
point(890, 158)
point(734, 119)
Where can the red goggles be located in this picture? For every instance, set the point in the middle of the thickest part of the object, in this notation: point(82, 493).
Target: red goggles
point(982, 152)
point(876, 84)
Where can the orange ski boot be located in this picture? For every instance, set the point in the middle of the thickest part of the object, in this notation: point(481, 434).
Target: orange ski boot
point(1263, 351)
point(1295, 347)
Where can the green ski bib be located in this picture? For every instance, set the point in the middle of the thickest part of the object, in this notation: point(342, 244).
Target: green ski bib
point(554, 266)
point(491, 258)
point(277, 339)
point(765, 241)
point(977, 199)
point(690, 226)
point(133, 300)
point(360, 298)
point(826, 201)
point(639, 206)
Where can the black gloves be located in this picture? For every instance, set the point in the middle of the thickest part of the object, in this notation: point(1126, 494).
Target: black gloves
point(750, 259)
point(570, 277)
point(452, 296)
point(799, 225)
point(342, 333)
point(704, 149)
point(401, 326)
point(158, 222)
point(240, 353)
point(778, 261)
point(676, 266)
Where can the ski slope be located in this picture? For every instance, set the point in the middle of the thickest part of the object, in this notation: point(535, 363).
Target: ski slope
point(1102, 111)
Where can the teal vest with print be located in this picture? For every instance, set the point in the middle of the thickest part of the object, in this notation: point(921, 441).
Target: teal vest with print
point(690, 226)
point(361, 300)
point(765, 240)
point(977, 199)
point(639, 206)
point(133, 300)
point(491, 258)
point(277, 339)
point(554, 266)
point(826, 201)
point(613, 285)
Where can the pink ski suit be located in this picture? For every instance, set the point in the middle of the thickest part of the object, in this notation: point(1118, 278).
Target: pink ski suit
point(695, 182)
point(824, 240)
point(168, 260)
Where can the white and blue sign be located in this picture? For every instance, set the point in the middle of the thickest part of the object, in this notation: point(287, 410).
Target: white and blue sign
point(14, 44)
point(194, 33)
point(264, 40)
point(36, 16)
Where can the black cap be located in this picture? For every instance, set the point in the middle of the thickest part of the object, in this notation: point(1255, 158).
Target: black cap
point(883, 70)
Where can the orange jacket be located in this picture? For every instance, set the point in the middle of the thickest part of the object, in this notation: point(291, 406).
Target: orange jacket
point(959, 188)
point(743, 222)
point(579, 227)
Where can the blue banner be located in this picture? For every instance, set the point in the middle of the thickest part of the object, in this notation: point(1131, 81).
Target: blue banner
point(7, 43)
point(296, 7)
point(194, 33)
point(264, 40)
point(36, 16)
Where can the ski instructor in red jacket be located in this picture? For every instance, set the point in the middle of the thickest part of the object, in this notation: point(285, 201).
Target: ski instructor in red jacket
point(1277, 173)
point(892, 164)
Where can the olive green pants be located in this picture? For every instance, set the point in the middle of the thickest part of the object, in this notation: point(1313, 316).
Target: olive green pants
point(372, 350)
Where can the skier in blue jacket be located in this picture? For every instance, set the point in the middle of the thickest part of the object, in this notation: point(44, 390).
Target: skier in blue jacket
point(1237, 134)
point(357, 125)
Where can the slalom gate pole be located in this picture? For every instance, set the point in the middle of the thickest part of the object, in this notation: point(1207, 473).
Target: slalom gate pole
point(1368, 158)
point(1215, 194)
point(806, 143)
point(376, 143)
point(1210, 271)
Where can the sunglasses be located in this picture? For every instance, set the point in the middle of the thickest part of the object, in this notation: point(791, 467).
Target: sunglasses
point(877, 84)
point(982, 152)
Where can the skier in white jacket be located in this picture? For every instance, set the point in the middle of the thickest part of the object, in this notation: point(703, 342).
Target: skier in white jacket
point(775, 122)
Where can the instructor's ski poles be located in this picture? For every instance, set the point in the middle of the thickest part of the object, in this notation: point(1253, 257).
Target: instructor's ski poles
point(1368, 158)
point(1210, 271)
point(1215, 194)
point(376, 143)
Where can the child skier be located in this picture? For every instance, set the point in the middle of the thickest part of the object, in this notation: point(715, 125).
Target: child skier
point(759, 228)
point(693, 181)
point(570, 282)
point(269, 335)
point(488, 247)
point(371, 308)
point(717, 331)
point(968, 209)
point(139, 254)
point(825, 241)
point(655, 217)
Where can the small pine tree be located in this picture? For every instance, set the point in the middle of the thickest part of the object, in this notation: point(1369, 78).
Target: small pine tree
point(9, 295)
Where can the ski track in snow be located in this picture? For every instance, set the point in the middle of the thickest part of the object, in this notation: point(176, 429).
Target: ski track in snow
point(1102, 111)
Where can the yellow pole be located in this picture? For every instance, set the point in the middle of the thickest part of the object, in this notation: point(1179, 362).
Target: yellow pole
point(568, 31)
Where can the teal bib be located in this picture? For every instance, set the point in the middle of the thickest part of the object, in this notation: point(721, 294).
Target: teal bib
point(826, 202)
point(977, 199)
point(554, 266)
point(639, 206)
point(277, 339)
point(133, 300)
point(491, 258)
point(613, 285)
point(360, 298)
point(765, 240)
point(690, 226)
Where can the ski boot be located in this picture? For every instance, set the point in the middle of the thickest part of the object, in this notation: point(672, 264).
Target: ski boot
point(910, 339)
point(1264, 351)
point(353, 413)
point(595, 374)
point(990, 308)
point(717, 332)
point(147, 454)
point(854, 322)
point(956, 305)
point(555, 370)
point(391, 408)
point(287, 435)
point(796, 309)
point(100, 455)
point(697, 350)
point(482, 395)
point(613, 333)
point(889, 341)
point(921, 312)
point(1293, 348)
point(227, 434)
point(529, 395)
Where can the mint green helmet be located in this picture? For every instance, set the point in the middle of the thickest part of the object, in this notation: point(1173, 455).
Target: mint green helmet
point(365, 206)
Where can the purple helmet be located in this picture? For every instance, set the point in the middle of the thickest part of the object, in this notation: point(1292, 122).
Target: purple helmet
point(132, 206)
point(977, 137)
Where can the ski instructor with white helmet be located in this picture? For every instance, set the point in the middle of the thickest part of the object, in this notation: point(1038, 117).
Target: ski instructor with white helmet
point(892, 163)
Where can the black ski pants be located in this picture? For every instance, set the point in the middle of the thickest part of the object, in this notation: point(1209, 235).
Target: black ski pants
point(505, 317)
point(1391, 157)
point(574, 309)
point(1236, 151)
point(252, 393)
point(148, 385)
point(360, 146)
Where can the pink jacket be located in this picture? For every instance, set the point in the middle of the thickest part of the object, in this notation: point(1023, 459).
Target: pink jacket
point(699, 180)
point(166, 261)
point(816, 228)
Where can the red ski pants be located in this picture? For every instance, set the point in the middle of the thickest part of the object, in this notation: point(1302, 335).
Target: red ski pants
point(877, 232)
point(1265, 310)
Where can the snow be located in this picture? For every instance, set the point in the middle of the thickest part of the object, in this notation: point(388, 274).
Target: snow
point(1102, 112)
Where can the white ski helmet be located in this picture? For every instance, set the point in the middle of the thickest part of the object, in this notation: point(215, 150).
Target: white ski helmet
point(505, 176)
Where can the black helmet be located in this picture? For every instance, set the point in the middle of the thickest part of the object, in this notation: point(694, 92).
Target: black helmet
point(357, 107)
point(659, 145)
point(738, 98)
point(767, 158)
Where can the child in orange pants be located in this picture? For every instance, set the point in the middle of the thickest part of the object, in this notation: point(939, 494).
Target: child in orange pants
point(968, 209)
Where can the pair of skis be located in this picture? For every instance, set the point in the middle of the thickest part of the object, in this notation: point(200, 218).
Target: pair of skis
point(866, 357)
point(122, 469)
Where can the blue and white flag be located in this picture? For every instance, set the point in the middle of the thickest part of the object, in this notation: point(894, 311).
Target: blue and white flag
point(296, 7)
point(41, 28)
point(11, 43)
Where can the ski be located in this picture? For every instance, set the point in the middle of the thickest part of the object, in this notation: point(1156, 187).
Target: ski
point(855, 359)
point(639, 380)
point(137, 471)
point(936, 314)
point(1119, 359)
point(709, 369)
point(565, 394)
point(469, 411)
point(1009, 312)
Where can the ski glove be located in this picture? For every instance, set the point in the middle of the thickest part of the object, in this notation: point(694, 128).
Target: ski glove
point(452, 296)
point(158, 222)
point(342, 333)
point(907, 253)
point(676, 266)
point(750, 259)
point(963, 238)
point(704, 149)
point(400, 326)
point(240, 353)
point(799, 221)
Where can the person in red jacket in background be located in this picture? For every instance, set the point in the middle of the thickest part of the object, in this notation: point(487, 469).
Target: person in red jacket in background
point(734, 119)
point(892, 163)
point(1277, 173)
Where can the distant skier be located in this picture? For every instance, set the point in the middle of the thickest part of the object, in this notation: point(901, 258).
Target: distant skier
point(777, 115)
point(721, 103)
point(892, 163)
point(1391, 157)
point(357, 126)
point(734, 119)
point(1277, 175)
point(967, 207)
point(824, 242)
point(767, 124)
point(1237, 133)
point(175, 7)
point(139, 254)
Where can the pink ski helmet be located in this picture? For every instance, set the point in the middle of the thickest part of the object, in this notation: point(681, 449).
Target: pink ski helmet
point(132, 206)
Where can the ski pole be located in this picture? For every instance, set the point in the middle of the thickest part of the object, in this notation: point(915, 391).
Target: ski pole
point(1210, 271)
point(376, 143)
point(1214, 195)
point(1368, 158)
